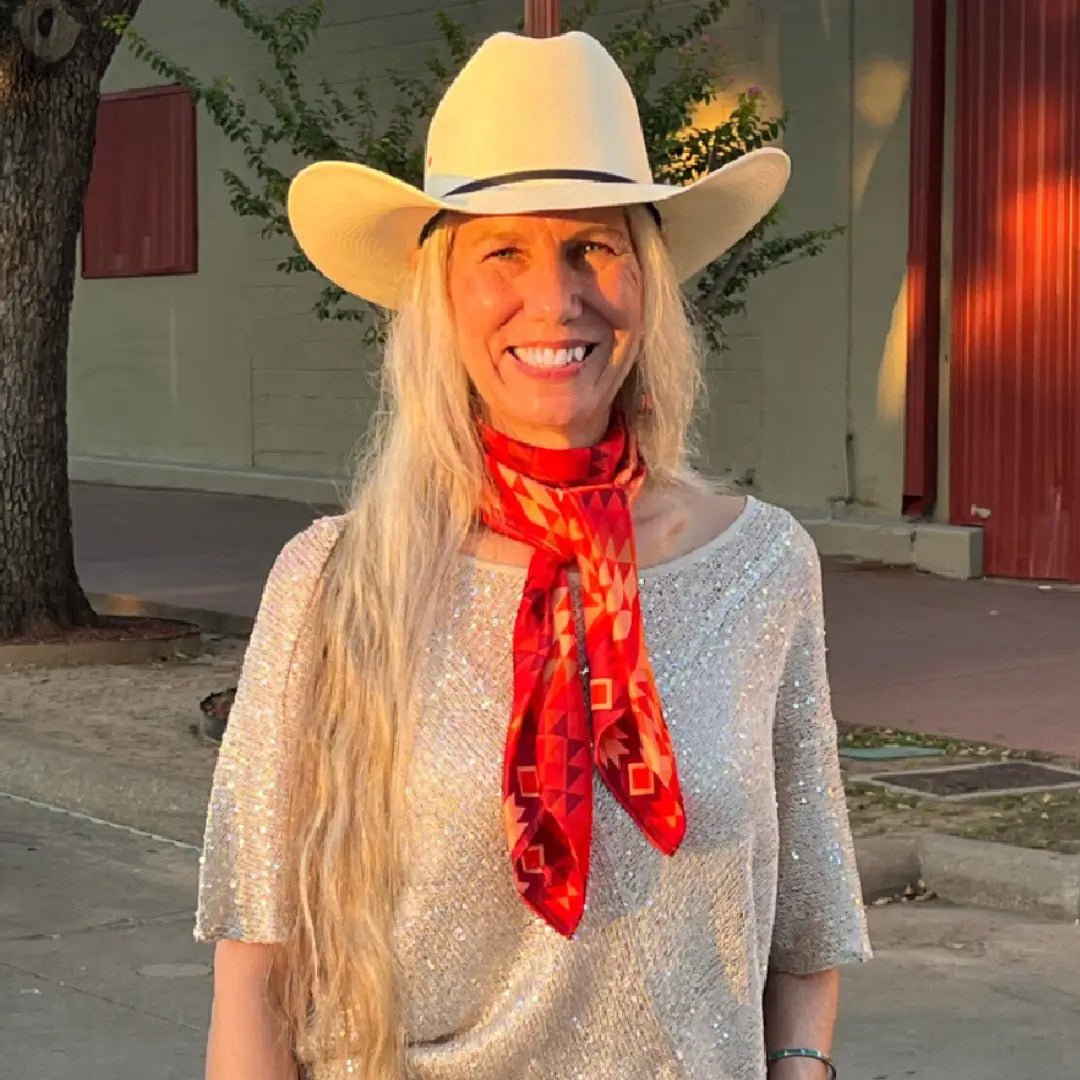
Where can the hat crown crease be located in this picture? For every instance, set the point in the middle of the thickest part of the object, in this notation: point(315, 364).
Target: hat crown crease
point(523, 105)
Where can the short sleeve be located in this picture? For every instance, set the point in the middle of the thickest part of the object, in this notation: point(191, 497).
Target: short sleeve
point(241, 867)
point(820, 920)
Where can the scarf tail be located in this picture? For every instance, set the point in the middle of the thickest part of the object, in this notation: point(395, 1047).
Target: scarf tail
point(547, 793)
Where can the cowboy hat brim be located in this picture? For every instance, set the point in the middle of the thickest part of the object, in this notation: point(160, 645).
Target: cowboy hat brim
point(360, 227)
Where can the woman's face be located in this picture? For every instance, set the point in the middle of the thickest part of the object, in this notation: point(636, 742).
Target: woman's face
point(547, 311)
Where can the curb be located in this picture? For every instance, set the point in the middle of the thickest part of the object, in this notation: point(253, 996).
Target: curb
point(225, 623)
point(977, 873)
point(187, 642)
point(971, 873)
point(888, 865)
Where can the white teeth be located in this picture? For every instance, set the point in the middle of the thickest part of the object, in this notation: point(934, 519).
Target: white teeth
point(551, 358)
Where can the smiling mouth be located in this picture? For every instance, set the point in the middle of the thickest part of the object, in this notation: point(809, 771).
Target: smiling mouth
point(552, 358)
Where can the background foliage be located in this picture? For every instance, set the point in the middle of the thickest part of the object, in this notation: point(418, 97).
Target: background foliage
point(674, 71)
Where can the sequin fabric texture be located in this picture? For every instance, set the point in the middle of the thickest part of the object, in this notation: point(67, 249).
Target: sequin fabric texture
point(664, 977)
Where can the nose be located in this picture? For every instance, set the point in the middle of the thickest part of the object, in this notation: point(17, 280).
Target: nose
point(551, 287)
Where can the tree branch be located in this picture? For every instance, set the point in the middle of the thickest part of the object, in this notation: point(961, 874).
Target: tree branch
point(713, 147)
point(106, 39)
point(737, 256)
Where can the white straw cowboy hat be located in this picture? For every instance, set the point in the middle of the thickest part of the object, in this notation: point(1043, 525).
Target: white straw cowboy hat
point(529, 125)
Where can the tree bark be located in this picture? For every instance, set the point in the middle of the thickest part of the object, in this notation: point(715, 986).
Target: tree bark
point(53, 54)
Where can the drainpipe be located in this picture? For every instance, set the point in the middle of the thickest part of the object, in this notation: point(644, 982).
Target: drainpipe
point(928, 66)
point(542, 18)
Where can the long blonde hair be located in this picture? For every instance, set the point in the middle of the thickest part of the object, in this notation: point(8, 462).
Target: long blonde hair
point(414, 503)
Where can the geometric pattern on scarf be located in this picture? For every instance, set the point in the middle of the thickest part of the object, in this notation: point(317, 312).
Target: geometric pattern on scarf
point(572, 506)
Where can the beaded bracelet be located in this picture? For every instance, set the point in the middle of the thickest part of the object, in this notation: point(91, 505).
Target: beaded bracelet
point(816, 1055)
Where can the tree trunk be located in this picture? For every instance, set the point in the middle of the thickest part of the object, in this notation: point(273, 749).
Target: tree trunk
point(53, 54)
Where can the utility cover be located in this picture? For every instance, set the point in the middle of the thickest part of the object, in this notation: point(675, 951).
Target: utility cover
point(971, 781)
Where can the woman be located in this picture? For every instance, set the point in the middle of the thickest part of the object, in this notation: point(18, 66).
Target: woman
point(483, 810)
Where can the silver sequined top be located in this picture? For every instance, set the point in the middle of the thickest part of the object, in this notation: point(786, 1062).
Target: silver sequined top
point(664, 977)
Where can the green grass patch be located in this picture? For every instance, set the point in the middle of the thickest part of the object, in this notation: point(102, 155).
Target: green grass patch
point(1047, 820)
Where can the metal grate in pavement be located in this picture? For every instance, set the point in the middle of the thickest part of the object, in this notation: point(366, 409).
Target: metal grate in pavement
point(955, 782)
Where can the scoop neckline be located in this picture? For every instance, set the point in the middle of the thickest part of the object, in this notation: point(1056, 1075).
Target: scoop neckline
point(658, 570)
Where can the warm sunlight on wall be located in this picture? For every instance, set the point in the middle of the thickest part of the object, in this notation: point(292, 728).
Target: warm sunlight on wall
point(892, 371)
point(881, 85)
point(718, 110)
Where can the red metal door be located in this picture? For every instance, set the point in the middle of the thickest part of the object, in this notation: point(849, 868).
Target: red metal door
point(1015, 360)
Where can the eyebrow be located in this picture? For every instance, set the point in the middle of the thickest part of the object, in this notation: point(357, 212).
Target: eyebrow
point(610, 231)
point(505, 236)
point(497, 236)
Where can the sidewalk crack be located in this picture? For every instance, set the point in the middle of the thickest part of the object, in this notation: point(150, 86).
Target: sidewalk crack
point(60, 984)
point(125, 923)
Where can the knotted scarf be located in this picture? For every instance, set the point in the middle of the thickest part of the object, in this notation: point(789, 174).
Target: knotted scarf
point(573, 507)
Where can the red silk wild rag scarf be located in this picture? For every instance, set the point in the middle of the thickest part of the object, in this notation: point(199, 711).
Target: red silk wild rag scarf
point(573, 506)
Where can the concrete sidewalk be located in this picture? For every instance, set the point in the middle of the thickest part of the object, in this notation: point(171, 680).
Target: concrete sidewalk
point(983, 661)
point(99, 975)
point(100, 978)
